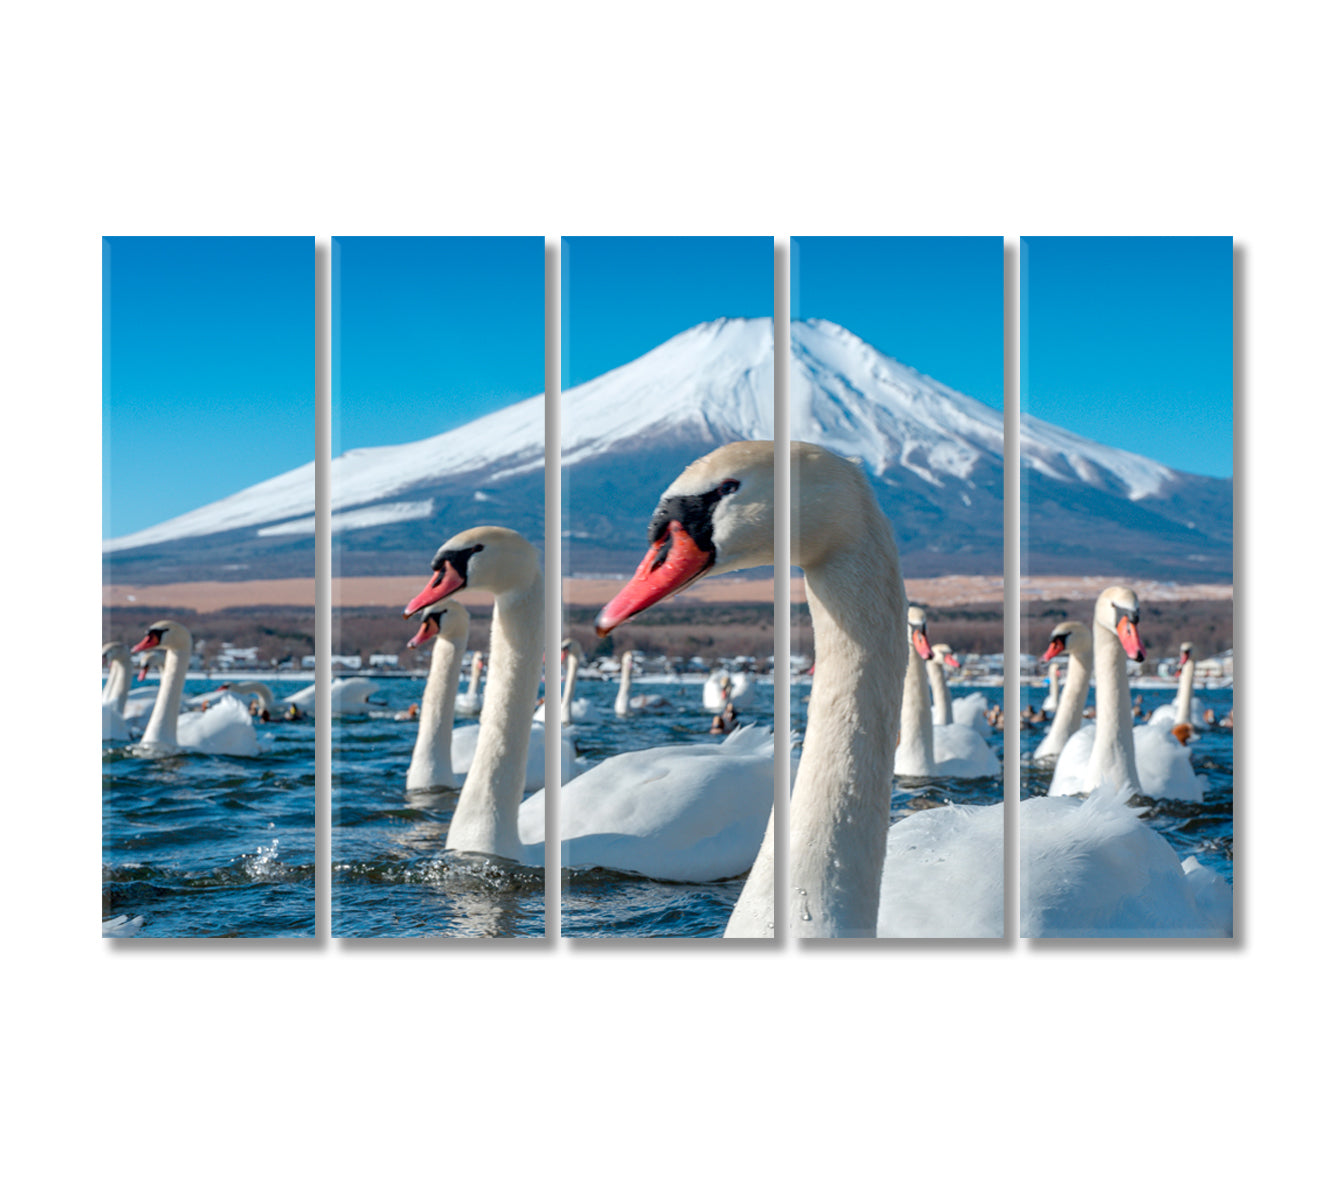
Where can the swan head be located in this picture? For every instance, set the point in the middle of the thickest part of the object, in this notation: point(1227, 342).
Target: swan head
point(943, 653)
point(445, 618)
point(1187, 653)
point(488, 558)
point(1118, 610)
point(163, 635)
point(571, 647)
point(1071, 637)
point(917, 632)
point(115, 652)
point(717, 516)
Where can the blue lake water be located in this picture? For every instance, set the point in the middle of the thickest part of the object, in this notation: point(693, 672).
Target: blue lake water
point(210, 846)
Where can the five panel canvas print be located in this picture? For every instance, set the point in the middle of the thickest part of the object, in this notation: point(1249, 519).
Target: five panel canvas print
point(658, 694)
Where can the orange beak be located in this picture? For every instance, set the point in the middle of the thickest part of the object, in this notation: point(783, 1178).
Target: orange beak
point(672, 563)
point(1130, 639)
point(425, 632)
point(951, 661)
point(1052, 651)
point(920, 644)
point(444, 583)
point(149, 640)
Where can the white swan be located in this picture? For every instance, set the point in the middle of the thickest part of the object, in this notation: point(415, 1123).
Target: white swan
point(625, 702)
point(688, 813)
point(350, 696)
point(719, 516)
point(260, 691)
point(224, 729)
point(139, 703)
point(497, 560)
point(470, 703)
point(445, 625)
point(114, 692)
point(927, 750)
point(970, 710)
point(1146, 759)
point(571, 710)
point(724, 687)
point(1186, 710)
point(1072, 638)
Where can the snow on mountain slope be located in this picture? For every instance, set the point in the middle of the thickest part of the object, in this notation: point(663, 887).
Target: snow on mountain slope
point(708, 385)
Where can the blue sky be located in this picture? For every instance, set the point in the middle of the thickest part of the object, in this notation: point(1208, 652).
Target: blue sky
point(1129, 341)
point(934, 303)
point(432, 332)
point(208, 370)
point(623, 296)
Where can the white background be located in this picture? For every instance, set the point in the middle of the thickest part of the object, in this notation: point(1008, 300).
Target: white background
point(663, 1070)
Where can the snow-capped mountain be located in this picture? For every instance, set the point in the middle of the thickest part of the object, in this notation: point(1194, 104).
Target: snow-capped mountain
point(934, 455)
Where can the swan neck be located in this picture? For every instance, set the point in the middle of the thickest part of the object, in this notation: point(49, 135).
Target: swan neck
point(432, 763)
point(487, 817)
point(118, 682)
point(161, 728)
point(840, 801)
point(622, 706)
point(917, 749)
point(567, 694)
point(1113, 757)
point(1073, 698)
point(942, 709)
point(474, 678)
point(1185, 688)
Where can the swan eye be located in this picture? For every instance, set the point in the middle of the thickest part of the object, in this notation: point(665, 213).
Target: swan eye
point(728, 486)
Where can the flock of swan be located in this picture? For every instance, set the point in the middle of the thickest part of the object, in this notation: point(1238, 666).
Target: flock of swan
point(878, 707)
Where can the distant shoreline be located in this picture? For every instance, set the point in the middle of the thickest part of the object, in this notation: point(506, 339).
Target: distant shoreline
point(393, 591)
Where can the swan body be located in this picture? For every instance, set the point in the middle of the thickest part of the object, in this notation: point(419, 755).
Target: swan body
point(1112, 751)
point(350, 696)
point(970, 711)
point(224, 729)
point(260, 691)
point(465, 747)
point(1075, 639)
point(1087, 868)
point(927, 750)
point(687, 813)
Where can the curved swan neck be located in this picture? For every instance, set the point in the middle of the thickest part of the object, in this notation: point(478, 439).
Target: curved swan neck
point(567, 695)
point(917, 748)
point(840, 803)
point(622, 707)
point(942, 708)
point(487, 817)
point(474, 678)
point(161, 728)
point(1185, 689)
point(1074, 696)
point(1113, 757)
point(432, 764)
point(1054, 683)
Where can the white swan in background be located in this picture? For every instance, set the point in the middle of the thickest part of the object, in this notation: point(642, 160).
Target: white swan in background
point(926, 750)
point(942, 710)
point(1186, 710)
point(470, 703)
point(445, 625)
point(625, 702)
point(253, 688)
point(497, 560)
point(349, 696)
point(839, 823)
point(724, 687)
point(1112, 750)
point(970, 710)
point(687, 812)
point(1075, 639)
point(114, 692)
point(224, 729)
point(1053, 697)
